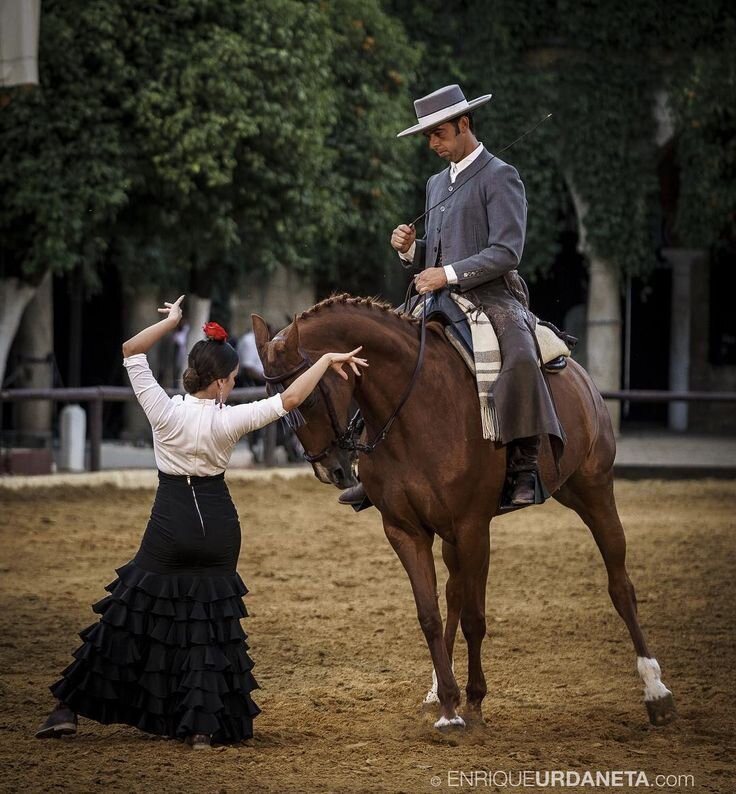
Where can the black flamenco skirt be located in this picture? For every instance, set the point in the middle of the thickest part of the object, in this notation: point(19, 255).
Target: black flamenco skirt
point(168, 654)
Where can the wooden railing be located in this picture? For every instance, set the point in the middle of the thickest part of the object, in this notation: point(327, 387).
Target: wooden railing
point(95, 396)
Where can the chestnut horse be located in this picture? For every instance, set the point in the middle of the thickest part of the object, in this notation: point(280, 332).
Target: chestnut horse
point(434, 474)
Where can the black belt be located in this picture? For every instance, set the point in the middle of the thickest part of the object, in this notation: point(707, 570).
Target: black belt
point(189, 479)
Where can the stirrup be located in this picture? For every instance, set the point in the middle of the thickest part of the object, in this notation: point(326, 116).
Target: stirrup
point(541, 494)
point(356, 497)
point(557, 364)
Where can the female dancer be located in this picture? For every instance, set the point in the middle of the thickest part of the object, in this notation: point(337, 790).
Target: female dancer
point(168, 654)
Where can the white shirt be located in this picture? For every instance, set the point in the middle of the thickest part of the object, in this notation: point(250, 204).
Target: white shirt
point(193, 436)
point(455, 169)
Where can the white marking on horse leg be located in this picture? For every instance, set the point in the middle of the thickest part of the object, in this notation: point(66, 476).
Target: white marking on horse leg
point(443, 724)
point(650, 674)
point(431, 696)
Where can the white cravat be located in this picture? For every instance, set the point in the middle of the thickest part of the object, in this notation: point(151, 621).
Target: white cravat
point(455, 169)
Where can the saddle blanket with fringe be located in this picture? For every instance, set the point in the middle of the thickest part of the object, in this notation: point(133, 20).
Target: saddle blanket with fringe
point(486, 361)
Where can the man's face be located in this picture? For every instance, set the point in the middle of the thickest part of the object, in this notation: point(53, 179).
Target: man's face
point(445, 141)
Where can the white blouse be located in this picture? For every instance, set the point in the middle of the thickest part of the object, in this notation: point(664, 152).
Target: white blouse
point(193, 436)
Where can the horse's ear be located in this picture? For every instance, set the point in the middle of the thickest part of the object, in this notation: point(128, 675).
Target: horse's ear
point(292, 337)
point(263, 335)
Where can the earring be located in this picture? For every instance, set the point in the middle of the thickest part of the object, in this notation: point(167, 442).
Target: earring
point(220, 397)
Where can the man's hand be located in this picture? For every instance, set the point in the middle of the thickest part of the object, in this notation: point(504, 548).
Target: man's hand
point(430, 279)
point(403, 237)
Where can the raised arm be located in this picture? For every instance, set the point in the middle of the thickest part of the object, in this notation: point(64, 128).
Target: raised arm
point(144, 340)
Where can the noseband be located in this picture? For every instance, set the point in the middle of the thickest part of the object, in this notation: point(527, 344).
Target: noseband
point(345, 439)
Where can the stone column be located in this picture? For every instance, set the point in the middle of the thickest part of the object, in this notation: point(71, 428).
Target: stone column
point(35, 342)
point(682, 261)
point(604, 332)
point(603, 324)
point(276, 296)
point(142, 311)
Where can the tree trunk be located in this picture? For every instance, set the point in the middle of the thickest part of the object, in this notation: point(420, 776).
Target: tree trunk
point(35, 343)
point(197, 314)
point(277, 297)
point(142, 312)
point(603, 323)
point(15, 295)
point(604, 332)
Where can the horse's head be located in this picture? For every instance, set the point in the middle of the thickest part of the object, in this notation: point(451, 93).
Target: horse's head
point(326, 412)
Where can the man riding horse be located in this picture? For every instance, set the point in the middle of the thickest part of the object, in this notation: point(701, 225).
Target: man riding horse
point(474, 237)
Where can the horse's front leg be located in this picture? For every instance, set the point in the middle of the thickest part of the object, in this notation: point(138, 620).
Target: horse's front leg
point(473, 556)
point(414, 549)
point(454, 598)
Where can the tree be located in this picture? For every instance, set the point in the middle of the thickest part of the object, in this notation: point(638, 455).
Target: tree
point(598, 68)
point(371, 179)
point(173, 139)
point(62, 172)
point(227, 114)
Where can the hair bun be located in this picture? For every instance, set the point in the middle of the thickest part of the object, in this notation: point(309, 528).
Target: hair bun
point(191, 380)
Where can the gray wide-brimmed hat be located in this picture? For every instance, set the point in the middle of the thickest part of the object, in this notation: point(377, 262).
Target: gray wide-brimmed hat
point(441, 106)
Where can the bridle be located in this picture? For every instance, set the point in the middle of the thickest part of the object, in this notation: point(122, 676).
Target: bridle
point(346, 439)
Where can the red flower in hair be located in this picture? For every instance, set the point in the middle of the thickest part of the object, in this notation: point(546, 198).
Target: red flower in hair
point(214, 331)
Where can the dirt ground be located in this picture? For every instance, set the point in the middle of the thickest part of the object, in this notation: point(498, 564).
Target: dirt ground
point(343, 665)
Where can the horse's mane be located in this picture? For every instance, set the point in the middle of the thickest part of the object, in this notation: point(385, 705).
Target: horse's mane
point(345, 299)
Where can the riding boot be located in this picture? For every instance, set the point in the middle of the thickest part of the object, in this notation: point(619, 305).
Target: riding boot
point(352, 496)
point(522, 465)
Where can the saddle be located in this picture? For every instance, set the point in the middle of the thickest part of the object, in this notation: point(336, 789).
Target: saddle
point(554, 345)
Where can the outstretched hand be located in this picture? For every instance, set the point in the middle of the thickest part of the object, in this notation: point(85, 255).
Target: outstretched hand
point(338, 360)
point(173, 310)
point(305, 384)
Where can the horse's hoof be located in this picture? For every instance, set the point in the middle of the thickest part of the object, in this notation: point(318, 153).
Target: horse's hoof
point(473, 717)
point(662, 710)
point(456, 723)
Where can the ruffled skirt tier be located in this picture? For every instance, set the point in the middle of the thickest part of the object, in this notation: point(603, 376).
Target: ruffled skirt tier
point(168, 656)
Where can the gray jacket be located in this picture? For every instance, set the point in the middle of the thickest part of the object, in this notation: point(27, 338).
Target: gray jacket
point(481, 225)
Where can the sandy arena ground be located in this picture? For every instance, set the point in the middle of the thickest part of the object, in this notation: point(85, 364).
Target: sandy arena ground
point(342, 662)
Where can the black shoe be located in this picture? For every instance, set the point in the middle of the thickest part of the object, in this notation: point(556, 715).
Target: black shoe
point(199, 741)
point(353, 496)
point(523, 489)
point(61, 722)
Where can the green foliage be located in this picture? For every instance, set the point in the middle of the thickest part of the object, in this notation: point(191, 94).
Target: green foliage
point(704, 102)
point(187, 140)
point(371, 177)
point(597, 67)
point(227, 124)
point(62, 172)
